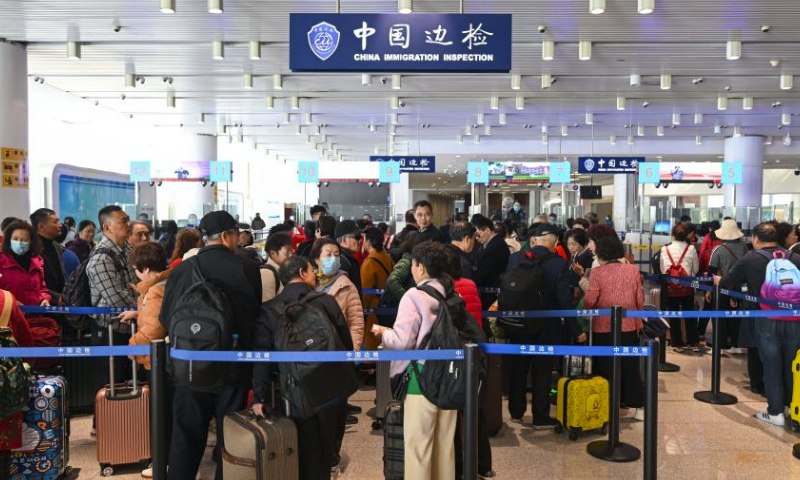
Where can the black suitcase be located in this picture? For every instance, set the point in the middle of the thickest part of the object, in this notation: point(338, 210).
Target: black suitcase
point(80, 375)
point(393, 448)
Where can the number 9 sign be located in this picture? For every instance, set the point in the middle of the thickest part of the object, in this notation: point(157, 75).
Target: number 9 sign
point(389, 172)
point(478, 172)
point(308, 172)
point(649, 172)
point(731, 172)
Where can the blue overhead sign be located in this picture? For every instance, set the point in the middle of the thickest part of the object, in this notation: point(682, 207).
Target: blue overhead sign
point(608, 165)
point(362, 42)
point(409, 164)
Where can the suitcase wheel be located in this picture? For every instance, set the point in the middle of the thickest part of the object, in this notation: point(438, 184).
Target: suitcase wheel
point(795, 427)
point(377, 425)
point(106, 470)
point(604, 430)
point(559, 429)
point(573, 435)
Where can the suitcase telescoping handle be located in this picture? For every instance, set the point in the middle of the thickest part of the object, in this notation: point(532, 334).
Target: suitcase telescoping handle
point(135, 391)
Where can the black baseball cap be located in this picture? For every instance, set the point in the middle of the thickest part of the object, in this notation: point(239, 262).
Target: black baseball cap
point(546, 229)
point(217, 222)
point(346, 227)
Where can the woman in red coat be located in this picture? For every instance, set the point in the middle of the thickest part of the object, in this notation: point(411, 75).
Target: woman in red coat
point(21, 265)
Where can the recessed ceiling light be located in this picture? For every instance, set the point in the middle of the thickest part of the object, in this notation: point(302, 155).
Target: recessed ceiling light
point(215, 6)
point(277, 81)
point(73, 50)
point(747, 103)
point(646, 6)
point(584, 50)
point(548, 50)
point(620, 103)
point(217, 50)
point(666, 81)
point(167, 6)
point(516, 82)
point(733, 50)
point(255, 50)
point(787, 82)
point(405, 6)
point(248, 81)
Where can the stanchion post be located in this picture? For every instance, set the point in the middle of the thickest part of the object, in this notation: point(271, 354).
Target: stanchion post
point(651, 412)
point(664, 366)
point(471, 357)
point(715, 396)
point(612, 450)
point(158, 426)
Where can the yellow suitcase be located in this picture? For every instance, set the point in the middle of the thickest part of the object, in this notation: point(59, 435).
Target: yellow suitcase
point(794, 408)
point(582, 405)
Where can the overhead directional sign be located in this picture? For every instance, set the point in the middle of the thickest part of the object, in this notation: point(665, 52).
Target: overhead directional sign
point(308, 172)
point(409, 164)
point(560, 172)
point(731, 172)
point(140, 171)
point(649, 172)
point(389, 172)
point(363, 42)
point(608, 165)
point(478, 172)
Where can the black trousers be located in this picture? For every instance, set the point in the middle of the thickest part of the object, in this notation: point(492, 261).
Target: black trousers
point(192, 412)
point(685, 304)
point(541, 367)
point(484, 447)
point(316, 440)
point(632, 385)
point(123, 369)
point(341, 426)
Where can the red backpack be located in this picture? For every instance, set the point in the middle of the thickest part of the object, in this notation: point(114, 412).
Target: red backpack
point(676, 270)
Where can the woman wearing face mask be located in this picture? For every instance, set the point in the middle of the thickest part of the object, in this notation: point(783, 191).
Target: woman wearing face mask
point(334, 282)
point(21, 266)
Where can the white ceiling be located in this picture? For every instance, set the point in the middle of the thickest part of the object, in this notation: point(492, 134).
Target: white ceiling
point(684, 38)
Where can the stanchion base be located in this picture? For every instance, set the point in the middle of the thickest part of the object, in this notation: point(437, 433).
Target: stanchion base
point(715, 398)
point(668, 367)
point(796, 451)
point(620, 453)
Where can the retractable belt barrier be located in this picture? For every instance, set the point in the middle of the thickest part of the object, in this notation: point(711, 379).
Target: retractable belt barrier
point(694, 282)
point(74, 310)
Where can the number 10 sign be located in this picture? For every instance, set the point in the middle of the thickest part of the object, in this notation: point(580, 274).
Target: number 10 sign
point(308, 172)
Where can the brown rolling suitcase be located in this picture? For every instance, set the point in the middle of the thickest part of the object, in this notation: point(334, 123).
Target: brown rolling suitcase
point(122, 420)
point(259, 448)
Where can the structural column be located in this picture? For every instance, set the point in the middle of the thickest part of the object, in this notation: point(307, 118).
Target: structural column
point(749, 151)
point(178, 200)
point(624, 201)
point(400, 197)
point(14, 189)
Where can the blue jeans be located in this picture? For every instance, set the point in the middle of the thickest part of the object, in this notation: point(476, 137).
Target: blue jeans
point(778, 343)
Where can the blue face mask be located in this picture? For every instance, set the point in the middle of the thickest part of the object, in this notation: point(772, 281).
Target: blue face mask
point(20, 248)
point(517, 208)
point(330, 265)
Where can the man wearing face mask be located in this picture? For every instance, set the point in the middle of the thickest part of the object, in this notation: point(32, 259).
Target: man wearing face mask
point(517, 215)
point(48, 228)
point(348, 235)
point(240, 281)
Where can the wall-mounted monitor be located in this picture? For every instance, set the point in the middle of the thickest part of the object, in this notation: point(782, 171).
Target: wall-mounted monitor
point(519, 172)
point(662, 228)
point(591, 192)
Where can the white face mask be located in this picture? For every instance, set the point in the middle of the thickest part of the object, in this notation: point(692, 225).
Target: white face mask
point(20, 248)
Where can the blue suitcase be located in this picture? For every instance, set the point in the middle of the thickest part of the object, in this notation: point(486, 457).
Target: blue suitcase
point(44, 454)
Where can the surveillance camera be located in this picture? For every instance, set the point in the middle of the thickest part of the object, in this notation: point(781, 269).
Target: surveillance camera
point(164, 79)
point(728, 88)
point(765, 28)
point(797, 172)
point(115, 25)
point(775, 63)
point(645, 104)
point(383, 80)
point(695, 81)
point(122, 96)
point(541, 28)
point(402, 104)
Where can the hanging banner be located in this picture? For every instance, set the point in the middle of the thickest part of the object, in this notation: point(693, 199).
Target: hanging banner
point(519, 172)
point(308, 172)
point(362, 42)
point(389, 172)
point(179, 171)
point(409, 164)
point(608, 165)
point(140, 172)
point(731, 172)
point(560, 172)
point(221, 172)
point(15, 167)
point(478, 172)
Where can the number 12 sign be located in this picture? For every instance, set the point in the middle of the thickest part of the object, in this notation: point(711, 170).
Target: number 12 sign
point(649, 172)
point(478, 172)
point(560, 172)
point(731, 172)
point(140, 171)
point(308, 172)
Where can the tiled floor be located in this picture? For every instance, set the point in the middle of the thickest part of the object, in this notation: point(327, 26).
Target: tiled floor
point(696, 440)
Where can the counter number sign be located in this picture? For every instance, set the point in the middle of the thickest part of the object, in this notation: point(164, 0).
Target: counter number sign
point(308, 172)
point(389, 172)
point(560, 172)
point(220, 172)
point(731, 172)
point(478, 172)
point(140, 171)
point(649, 172)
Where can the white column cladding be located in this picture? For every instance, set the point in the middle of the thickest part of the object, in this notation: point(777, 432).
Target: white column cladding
point(16, 202)
point(400, 197)
point(750, 152)
point(178, 200)
point(624, 200)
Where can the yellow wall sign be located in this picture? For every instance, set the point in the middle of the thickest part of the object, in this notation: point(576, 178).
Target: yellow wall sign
point(14, 163)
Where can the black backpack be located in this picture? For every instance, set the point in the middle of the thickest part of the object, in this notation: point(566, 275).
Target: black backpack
point(443, 382)
point(521, 290)
point(309, 388)
point(77, 292)
point(201, 320)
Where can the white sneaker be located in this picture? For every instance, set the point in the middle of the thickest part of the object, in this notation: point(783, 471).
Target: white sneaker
point(736, 351)
point(516, 420)
point(776, 420)
point(639, 415)
point(147, 472)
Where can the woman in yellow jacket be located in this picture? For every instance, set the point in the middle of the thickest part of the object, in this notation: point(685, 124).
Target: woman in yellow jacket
point(374, 272)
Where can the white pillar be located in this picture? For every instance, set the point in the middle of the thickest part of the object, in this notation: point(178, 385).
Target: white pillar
point(400, 197)
point(178, 200)
point(624, 200)
point(15, 200)
point(750, 152)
